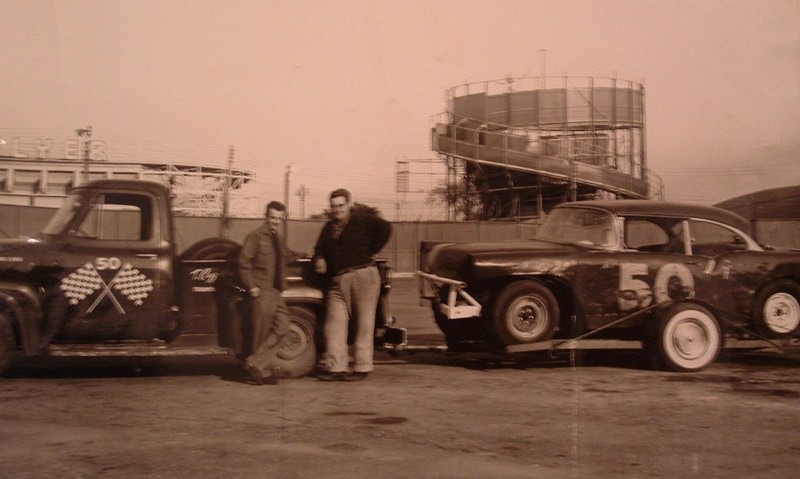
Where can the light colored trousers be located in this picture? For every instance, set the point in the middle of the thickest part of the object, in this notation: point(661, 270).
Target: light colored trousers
point(352, 295)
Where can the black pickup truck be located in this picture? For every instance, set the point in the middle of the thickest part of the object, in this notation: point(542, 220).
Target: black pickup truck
point(103, 278)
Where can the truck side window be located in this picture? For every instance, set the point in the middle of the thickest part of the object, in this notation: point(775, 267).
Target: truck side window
point(118, 217)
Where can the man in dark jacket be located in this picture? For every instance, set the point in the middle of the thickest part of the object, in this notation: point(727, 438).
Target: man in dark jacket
point(345, 252)
point(262, 262)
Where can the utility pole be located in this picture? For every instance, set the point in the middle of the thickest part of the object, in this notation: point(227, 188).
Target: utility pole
point(544, 68)
point(302, 192)
point(226, 191)
point(87, 132)
point(286, 176)
point(286, 203)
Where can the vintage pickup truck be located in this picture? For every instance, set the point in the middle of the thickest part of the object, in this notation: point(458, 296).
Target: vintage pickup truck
point(103, 278)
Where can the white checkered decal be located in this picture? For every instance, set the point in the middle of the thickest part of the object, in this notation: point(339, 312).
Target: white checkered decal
point(85, 281)
point(133, 284)
point(81, 283)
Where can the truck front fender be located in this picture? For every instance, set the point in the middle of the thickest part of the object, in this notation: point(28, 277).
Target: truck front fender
point(24, 304)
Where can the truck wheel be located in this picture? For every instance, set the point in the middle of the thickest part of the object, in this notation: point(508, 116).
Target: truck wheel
point(7, 342)
point(688, 338)
point(525, 312)
point(211, 248)
point(297, 355)
point(777, 311)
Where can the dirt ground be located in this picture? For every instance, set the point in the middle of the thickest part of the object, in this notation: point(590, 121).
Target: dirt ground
point(419, 415)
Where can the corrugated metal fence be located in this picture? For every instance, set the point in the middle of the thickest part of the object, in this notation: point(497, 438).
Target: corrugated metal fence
point(402, 250)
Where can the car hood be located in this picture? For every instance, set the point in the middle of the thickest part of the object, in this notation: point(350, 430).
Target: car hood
point(482, 260)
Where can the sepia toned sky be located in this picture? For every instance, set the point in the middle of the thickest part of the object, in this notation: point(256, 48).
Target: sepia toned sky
point(341, 90)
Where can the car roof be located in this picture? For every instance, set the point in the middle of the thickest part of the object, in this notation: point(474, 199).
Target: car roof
point(666, 209)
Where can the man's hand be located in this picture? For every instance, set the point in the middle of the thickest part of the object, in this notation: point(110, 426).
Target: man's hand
point(255, 291)
point(320, 266)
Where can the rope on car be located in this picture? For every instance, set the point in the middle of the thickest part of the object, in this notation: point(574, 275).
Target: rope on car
point(722, 313)
point(614, 323)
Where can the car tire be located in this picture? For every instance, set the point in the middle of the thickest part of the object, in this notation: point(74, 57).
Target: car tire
point(525, 312)
point(7, 342)
point(689, 337)
point(777, 309)
point(297, 353)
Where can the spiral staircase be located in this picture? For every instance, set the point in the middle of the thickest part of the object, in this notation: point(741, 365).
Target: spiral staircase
point(524, 145)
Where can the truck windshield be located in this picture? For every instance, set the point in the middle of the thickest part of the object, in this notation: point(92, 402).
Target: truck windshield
point(582, 226)
point(64, 215)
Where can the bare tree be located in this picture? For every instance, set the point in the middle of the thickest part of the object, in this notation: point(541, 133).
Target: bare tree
point(462, 197)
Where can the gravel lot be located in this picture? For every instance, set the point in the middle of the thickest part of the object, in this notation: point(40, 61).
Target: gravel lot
point(420, 415)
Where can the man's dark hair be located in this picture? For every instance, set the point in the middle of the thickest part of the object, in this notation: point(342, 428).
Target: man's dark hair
point(274, 205)
point(340, 192)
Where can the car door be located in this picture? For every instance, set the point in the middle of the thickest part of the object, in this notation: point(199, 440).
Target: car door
point(651, 265)
point(112, 257)
point(734, 269)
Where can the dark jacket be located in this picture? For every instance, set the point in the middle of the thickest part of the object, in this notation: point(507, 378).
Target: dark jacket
point(362, 238)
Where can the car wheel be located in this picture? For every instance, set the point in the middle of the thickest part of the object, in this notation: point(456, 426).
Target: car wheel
point(525, 312)
point(777, 311)
point(297, 354)
point(7, 342)
point(689, 337)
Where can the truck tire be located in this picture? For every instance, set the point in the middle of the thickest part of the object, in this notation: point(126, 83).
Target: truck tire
point(211, 248)
point(777, 310)
point(688, 338)
point(7, 342)
point(526, 312)
point(297, 355)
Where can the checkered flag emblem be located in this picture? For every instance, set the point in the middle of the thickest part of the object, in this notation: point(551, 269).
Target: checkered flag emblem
point(132, 284)
point(85, 281)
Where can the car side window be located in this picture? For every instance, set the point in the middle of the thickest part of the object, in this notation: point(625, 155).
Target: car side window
point(644, 235)
point(711, 239)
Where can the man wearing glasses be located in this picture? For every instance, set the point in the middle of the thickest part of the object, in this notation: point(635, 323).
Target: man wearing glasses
point(345, 253)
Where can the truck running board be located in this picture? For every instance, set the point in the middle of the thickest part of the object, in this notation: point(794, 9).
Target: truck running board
point(133, 349)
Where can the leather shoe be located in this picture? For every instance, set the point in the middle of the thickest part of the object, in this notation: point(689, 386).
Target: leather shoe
point(332, 376)
point(256, 375)
point(356, 376)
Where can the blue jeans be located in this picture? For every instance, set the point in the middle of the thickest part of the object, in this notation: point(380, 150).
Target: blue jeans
point(352, 295)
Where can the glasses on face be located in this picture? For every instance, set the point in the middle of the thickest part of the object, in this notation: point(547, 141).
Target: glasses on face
point(336, 206)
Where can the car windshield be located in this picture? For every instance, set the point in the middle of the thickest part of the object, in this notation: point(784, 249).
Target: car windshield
point(63, 216)
point(584, 226)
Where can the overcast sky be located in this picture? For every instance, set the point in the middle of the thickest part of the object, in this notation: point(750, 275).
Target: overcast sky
point(341, 90)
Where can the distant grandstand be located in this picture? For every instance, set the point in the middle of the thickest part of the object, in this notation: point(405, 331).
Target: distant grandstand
point(33, 173)
point(526, 144)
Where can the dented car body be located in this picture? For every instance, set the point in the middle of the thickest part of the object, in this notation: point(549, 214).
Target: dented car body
point(682, 281)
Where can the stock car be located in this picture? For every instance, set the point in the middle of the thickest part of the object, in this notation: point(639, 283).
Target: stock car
point(682, 281)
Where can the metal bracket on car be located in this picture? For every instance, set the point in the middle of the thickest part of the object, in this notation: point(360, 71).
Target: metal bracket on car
point(460, 305)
